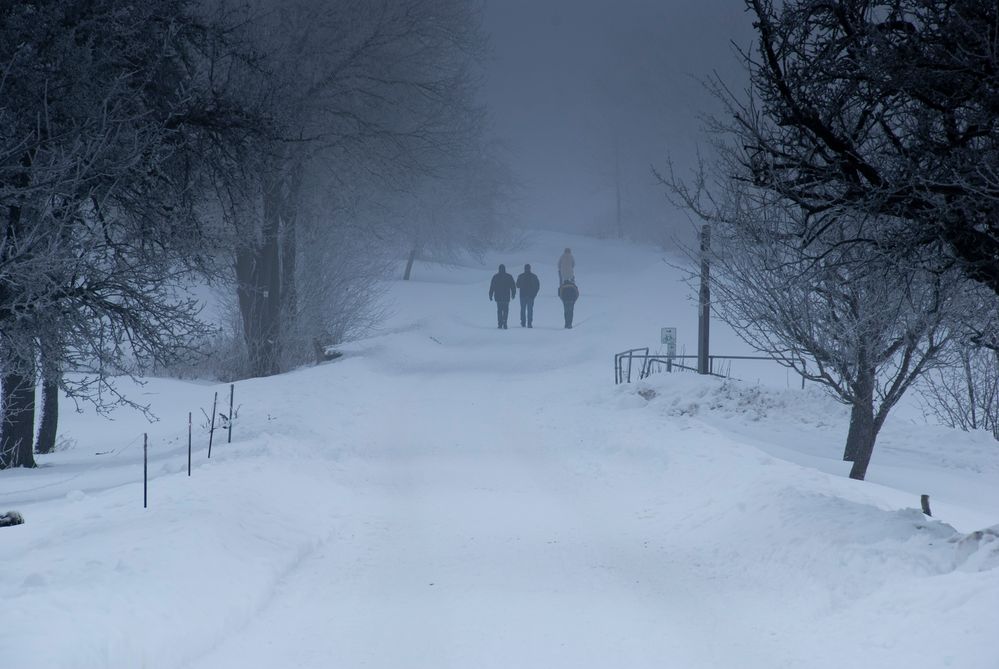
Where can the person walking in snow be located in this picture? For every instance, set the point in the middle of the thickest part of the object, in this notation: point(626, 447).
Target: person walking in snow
point(528, 285)
point(566, 267)
point(569, 293)
point(503, 289)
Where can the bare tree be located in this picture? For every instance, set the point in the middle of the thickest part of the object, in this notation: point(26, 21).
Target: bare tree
point(382, 90)
point(99, 233)
point(463, 206)
point(339, 297)
point(841, 314)
point(965, 395)
point(887, 108)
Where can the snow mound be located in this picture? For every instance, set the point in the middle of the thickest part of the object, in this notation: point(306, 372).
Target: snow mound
point(978, 550)
point(688, 395)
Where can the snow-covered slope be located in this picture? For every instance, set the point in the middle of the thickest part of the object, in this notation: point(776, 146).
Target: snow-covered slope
point(452, 495)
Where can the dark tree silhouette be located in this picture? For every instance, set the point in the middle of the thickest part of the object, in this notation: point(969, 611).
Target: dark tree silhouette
point(885, 107)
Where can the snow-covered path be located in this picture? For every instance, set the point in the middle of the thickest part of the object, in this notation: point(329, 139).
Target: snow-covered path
point(450, 495)
point(498, 547)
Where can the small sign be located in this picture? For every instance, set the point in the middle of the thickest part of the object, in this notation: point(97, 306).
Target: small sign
point(668, 338)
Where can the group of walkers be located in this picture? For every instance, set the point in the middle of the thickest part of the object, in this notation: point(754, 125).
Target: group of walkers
point(503, 289)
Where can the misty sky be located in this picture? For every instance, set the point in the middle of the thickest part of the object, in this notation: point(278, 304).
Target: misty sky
point(568, 80)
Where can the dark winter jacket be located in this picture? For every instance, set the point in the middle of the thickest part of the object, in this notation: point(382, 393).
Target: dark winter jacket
point(568, 292)
point(529, 285)
point(502, 288)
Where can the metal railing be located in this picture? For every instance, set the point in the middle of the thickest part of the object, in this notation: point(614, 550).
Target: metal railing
point(630, 356)
point(625, 363)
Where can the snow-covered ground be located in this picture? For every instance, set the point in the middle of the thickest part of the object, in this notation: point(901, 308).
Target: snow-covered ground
point(452, 495)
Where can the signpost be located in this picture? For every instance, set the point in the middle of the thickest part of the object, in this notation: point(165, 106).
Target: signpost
point(669, 340)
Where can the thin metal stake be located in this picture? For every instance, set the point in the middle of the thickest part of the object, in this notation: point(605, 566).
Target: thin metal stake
point(188, 443)
point(211, 429)
point(232, 391)
point(145, 470)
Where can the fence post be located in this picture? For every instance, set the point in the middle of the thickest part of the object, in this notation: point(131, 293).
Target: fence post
point(924, 501)
point(211, 428)
point(145, 470)
point(188, 443)
point(232, 391)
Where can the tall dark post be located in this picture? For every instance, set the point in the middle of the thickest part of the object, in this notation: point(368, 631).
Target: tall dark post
point(188, 443)
point(704, 304)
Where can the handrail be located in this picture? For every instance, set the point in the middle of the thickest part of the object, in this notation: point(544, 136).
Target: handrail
point(622, 375)
point(619, 366)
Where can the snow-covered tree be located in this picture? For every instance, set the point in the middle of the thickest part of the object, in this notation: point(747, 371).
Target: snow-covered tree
point(99, 117)
point(845, 315)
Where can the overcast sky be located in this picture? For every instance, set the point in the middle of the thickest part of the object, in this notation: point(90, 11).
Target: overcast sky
point(570, 80)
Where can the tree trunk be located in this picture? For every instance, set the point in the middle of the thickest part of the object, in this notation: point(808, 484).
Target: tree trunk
point(252, 294)
point(248, 296)
point(289, 296)
point(409, 264)
point(49, 424)
point(271, 279)
point(863, 428)
point(966, 361)
point(258, 279)
point(17, 395)
point(289, 247)
point(862, 409)
point(18, 429)
point(857, 426)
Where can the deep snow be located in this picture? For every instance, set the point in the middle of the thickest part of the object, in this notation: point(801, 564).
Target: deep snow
point(451, 495)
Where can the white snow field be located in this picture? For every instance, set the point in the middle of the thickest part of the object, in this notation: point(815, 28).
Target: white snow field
point(451, 495)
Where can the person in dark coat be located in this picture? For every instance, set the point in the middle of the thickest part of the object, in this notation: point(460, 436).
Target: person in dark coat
point(528, 285)
point(503, 289)
point(569, 293)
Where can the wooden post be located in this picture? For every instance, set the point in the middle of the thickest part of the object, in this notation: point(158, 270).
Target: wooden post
point(145, 470)
point(211, 428)
point(188, 443)
point(704, 303)
point(924, 501)
point(232, 391)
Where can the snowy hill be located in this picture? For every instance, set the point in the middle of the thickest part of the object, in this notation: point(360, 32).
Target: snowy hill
point(452, 495)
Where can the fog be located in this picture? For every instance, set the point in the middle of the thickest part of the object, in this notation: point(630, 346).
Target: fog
point(571, 84)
